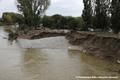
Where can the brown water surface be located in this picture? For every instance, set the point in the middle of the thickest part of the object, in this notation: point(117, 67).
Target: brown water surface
point(49, 64)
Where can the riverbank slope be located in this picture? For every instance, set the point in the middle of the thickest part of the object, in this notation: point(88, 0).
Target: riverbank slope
point(102, 47)
point(106, 48)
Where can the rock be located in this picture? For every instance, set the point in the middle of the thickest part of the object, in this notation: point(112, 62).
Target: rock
point(118, 61)
point(69, 48)
point(5, 38)
point(45, 43)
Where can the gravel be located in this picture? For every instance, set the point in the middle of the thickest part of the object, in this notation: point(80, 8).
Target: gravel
point(45, 43)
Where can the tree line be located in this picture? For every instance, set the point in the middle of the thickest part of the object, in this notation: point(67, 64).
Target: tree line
point(11, 18)
point(58, 21)
point(99, 15)
point(102, 15)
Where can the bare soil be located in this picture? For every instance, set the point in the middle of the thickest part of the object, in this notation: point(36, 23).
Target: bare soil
point(106, 48)
point(37, 34)
point(102, 47)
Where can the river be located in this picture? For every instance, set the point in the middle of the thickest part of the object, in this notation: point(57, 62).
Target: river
point(50, 64)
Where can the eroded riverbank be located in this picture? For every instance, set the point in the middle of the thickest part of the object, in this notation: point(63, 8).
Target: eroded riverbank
point(49, 64)
point(106, 48)
point(102, 47)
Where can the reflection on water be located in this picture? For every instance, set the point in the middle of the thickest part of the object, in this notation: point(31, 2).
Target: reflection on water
point(49, 64)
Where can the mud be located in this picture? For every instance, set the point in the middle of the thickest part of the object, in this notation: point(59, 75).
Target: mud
point(37, 34)
point(48, 34)
point(106, 48)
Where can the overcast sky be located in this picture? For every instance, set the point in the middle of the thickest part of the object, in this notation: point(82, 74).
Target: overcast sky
point(63, 7)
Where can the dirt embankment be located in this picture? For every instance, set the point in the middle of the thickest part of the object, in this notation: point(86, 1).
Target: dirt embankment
point(107, 48)
point(37, 34)
point(48, 34)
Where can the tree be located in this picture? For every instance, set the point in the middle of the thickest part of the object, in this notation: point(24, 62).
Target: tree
point(87, 13)
point(56, 19)
point(81, 25)
point(63, 22)
point(46, 21)
point(11, 18)
point(115, 18)
point(32, 11)
point(73, 24)
point(101, 15)
point(17, 18)
point(7, 18)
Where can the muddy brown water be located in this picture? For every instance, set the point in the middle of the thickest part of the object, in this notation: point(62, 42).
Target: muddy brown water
point(50, 64)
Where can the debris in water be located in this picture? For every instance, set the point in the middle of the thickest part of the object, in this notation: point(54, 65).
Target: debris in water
point(118, 61)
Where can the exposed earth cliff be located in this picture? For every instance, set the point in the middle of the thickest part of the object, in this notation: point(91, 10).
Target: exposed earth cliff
point(107, 48)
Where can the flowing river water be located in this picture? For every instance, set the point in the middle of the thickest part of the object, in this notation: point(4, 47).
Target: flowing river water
point(50, 64)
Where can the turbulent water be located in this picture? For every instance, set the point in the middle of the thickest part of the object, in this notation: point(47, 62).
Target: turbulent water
point(49, 64)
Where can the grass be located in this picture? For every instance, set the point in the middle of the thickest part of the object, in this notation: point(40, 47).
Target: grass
point(104, 34)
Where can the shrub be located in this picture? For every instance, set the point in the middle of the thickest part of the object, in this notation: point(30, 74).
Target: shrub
point(12, 35)
point(73, 24)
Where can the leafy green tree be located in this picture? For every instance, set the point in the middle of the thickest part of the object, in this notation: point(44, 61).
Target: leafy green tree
point(17, 18)
point(69, 18)
point(46, 21)
point(73, 24)
point(55, 22)
point(11, 18)
point(81, 25)
point(56, 19)
point(63, 22)
point(1, 22)
point(101, 15)
point(87, 13)
point(32, 10)
point(115, 18)
point(7, 18)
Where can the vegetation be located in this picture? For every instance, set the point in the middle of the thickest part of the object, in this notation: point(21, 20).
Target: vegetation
point(87, 13)
point(12, 36)
point(32, 11)
point(98, 15)
point(12, 18)
point(102, 15)
point(115, 18)
point(61, 22)
point(73, 24)
point(46, 21)
point(1, 22)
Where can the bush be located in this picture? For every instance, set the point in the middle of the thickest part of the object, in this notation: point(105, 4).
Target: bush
point(22, 27)
point(46, 21)
point(12, 35)
point(1, 24)
point(11, 18)
point(73, 24)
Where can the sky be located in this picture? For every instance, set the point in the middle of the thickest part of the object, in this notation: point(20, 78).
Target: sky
point(64, 7)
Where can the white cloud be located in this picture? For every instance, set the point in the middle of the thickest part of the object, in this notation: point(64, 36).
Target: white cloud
point(63, 7)
point(54, 1)
point(66, 7)
point(7, 6)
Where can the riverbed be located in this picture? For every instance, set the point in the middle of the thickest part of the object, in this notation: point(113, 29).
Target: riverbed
point(17, 63)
